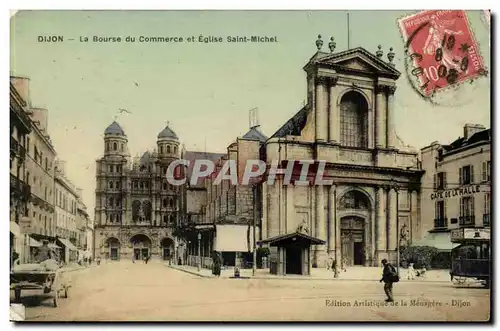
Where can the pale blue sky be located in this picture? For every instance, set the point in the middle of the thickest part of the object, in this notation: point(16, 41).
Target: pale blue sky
point(205, 90)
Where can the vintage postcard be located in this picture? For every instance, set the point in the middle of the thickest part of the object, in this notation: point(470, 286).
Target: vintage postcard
point(317, 166)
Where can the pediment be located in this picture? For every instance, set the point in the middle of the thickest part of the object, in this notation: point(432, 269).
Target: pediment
point(359, 59)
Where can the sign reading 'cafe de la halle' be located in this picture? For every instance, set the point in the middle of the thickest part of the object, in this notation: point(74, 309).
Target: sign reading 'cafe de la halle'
point(466, 190)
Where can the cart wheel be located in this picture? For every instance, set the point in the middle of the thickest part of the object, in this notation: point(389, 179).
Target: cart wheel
point(56, 298)
point(17, 294)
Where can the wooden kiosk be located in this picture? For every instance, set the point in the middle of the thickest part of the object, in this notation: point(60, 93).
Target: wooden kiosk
point(290, 253)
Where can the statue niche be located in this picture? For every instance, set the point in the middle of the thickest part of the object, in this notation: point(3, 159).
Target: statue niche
point(141, 212)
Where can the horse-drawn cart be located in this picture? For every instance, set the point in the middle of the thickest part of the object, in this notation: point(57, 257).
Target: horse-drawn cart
point(52, 283)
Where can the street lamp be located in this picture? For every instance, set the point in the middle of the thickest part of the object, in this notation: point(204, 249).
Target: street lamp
point(199, 251)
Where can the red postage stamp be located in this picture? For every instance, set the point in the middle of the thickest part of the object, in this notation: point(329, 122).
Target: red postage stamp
point(442, 48)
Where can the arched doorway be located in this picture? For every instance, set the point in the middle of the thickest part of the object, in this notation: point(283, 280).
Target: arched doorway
point(355, 206)
point(141, 245)
point(113, 246)
point(167, 248)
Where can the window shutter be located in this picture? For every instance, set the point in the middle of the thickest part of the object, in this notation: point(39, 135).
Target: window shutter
point(435, 182)
point(483, 178)
point(471, 209)
point(460, 179)
point(436, 212)
point(444, 209)
point(472, 174)
point(461, 207)
point(444, 180)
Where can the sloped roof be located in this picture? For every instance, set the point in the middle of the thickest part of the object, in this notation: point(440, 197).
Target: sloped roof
point(114, 128)
point(293, 126)
point(484, 135)
point(192, 156)
point(276, 240)
point(255, 134)
point(167, 133)
point(146, 157)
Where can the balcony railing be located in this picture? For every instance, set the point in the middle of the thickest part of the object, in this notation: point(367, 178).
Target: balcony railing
point(440, 223)
point(468, 220)
point(20, 187)
point(486, 219)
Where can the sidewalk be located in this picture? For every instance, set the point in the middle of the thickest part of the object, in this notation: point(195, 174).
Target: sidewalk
point(353, 273)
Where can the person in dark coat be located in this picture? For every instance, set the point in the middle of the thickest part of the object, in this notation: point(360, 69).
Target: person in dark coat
point(388, 277)
point(216, 264)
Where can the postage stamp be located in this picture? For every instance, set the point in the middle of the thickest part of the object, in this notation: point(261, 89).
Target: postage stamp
point(442, 48)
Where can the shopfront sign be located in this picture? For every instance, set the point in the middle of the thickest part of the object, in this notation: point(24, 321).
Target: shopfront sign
point(464, 190)
point(470, 234)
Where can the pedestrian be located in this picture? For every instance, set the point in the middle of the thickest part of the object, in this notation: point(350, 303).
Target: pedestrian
point(217, 264)
point(389, 276)
point(411, 272)
point(334, 268)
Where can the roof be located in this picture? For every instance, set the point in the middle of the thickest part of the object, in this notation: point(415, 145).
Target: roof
point(167, 133)
point(484, 135)
point(274, 241)
point(114, 128)
point(192, 156)
point(338, 58)
point(293, 126)
point(255, 134)
point(145, 158)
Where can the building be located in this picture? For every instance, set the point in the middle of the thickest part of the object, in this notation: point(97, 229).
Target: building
point(66, 200)
point(39, 171)
point(136, 208)
point(85, 228)
point(20, 191)
point(456, 186)
point(227, 210)
point(348, 122)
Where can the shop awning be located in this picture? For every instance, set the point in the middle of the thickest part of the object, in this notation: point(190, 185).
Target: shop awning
point(34, 242)
point(68, 244)
point(440, 240)
point(234, 238)
point(52, 245)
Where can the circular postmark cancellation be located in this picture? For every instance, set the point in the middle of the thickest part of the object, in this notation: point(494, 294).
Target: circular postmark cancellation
point(423, 303)
point(442, 57)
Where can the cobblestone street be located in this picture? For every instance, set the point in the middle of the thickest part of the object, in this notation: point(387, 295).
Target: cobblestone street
point(122, 291)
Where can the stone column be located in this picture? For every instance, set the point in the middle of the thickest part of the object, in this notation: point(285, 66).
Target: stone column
point(373, 230)
point(334, 120)
point(380, 115)
point(392, 220)
point(320, 224)
point(371, 128)
point(264, 229)
point(391, 130)
point(381, 221)
point(415, 222)
point(331, 221)
point(321, 109)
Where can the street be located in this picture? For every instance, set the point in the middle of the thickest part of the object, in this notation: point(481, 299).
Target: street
point(123, 291)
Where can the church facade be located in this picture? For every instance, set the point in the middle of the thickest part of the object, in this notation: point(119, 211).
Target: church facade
point(348, 122)
point(136, 208)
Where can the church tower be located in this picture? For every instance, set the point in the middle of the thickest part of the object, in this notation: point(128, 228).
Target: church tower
point(111, 184)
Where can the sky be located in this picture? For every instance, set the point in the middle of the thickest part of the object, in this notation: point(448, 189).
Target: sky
point(205, 90)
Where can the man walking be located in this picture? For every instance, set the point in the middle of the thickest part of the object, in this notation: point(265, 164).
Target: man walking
point(389, 276)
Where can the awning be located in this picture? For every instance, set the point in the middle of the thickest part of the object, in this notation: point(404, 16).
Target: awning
point(234, 238)
point(68, 244)
point(440, 240)
point(15, 229)
point(52, 245)
point(34, 242)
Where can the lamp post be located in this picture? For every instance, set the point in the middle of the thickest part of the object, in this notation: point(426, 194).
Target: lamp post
point(199, 251)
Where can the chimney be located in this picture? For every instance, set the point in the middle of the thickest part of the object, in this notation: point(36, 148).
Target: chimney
point(22, 86)
point(471, 129)
point(40, 116)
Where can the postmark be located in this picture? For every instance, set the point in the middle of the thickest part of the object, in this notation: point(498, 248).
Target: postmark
point(441, 49)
